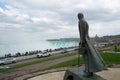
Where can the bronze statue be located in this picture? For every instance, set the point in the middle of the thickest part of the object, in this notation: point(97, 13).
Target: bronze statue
point(92, 58)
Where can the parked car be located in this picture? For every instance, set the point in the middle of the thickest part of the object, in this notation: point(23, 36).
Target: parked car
point(4, 67)
point(43, 54)
point(2, 62)
point(64, 51)
point(7, 61)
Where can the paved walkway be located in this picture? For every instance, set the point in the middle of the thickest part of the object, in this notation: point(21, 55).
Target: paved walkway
point(31, 69)
point(110, 74)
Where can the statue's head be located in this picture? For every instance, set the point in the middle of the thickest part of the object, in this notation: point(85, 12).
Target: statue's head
point(80, 16)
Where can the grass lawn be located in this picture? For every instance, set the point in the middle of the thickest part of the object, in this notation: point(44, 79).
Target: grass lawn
point(118, 48)
point(110, 59)
point(37, 62)
point(111, 48)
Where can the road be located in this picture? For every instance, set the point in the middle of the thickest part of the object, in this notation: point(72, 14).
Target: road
point(11, 74)
point(31, 60)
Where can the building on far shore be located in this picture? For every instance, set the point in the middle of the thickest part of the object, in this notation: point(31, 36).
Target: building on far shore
point(106, 40)
point(96, 41)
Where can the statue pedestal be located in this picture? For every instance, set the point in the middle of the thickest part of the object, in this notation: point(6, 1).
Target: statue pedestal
point(77, 74)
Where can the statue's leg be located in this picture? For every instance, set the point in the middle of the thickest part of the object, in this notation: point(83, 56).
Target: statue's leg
point(87, 73)
point(85, 62)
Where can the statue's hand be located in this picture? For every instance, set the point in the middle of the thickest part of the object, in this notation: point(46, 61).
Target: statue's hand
point(83, 45)
point(82, 50)
point(79, 43)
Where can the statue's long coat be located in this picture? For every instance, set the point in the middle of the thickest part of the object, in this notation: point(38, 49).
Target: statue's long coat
point(92, 58)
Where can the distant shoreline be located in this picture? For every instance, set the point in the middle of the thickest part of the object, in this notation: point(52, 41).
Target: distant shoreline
point(65, 39)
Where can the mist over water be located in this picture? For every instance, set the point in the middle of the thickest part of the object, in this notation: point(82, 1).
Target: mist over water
point(17, 46)
point(22, 42)
point(14, 46)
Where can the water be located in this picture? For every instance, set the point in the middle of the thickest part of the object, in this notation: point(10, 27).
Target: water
point(13, 41)
point(13, 47)
point(22, 45)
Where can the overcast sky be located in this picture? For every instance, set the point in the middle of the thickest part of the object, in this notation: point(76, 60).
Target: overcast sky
point(58, 18)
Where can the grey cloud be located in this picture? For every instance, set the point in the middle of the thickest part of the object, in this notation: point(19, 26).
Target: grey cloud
point(39, 27)
point(4, 18)
point(12, 19)
point(102, 15)
point(62, 15)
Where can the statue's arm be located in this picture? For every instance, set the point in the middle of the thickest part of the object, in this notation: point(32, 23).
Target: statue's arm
point(83, 33)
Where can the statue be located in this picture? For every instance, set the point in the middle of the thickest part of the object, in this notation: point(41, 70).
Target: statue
point(92, 58)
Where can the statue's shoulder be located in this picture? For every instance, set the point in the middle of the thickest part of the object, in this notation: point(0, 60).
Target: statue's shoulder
point(83, 22)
